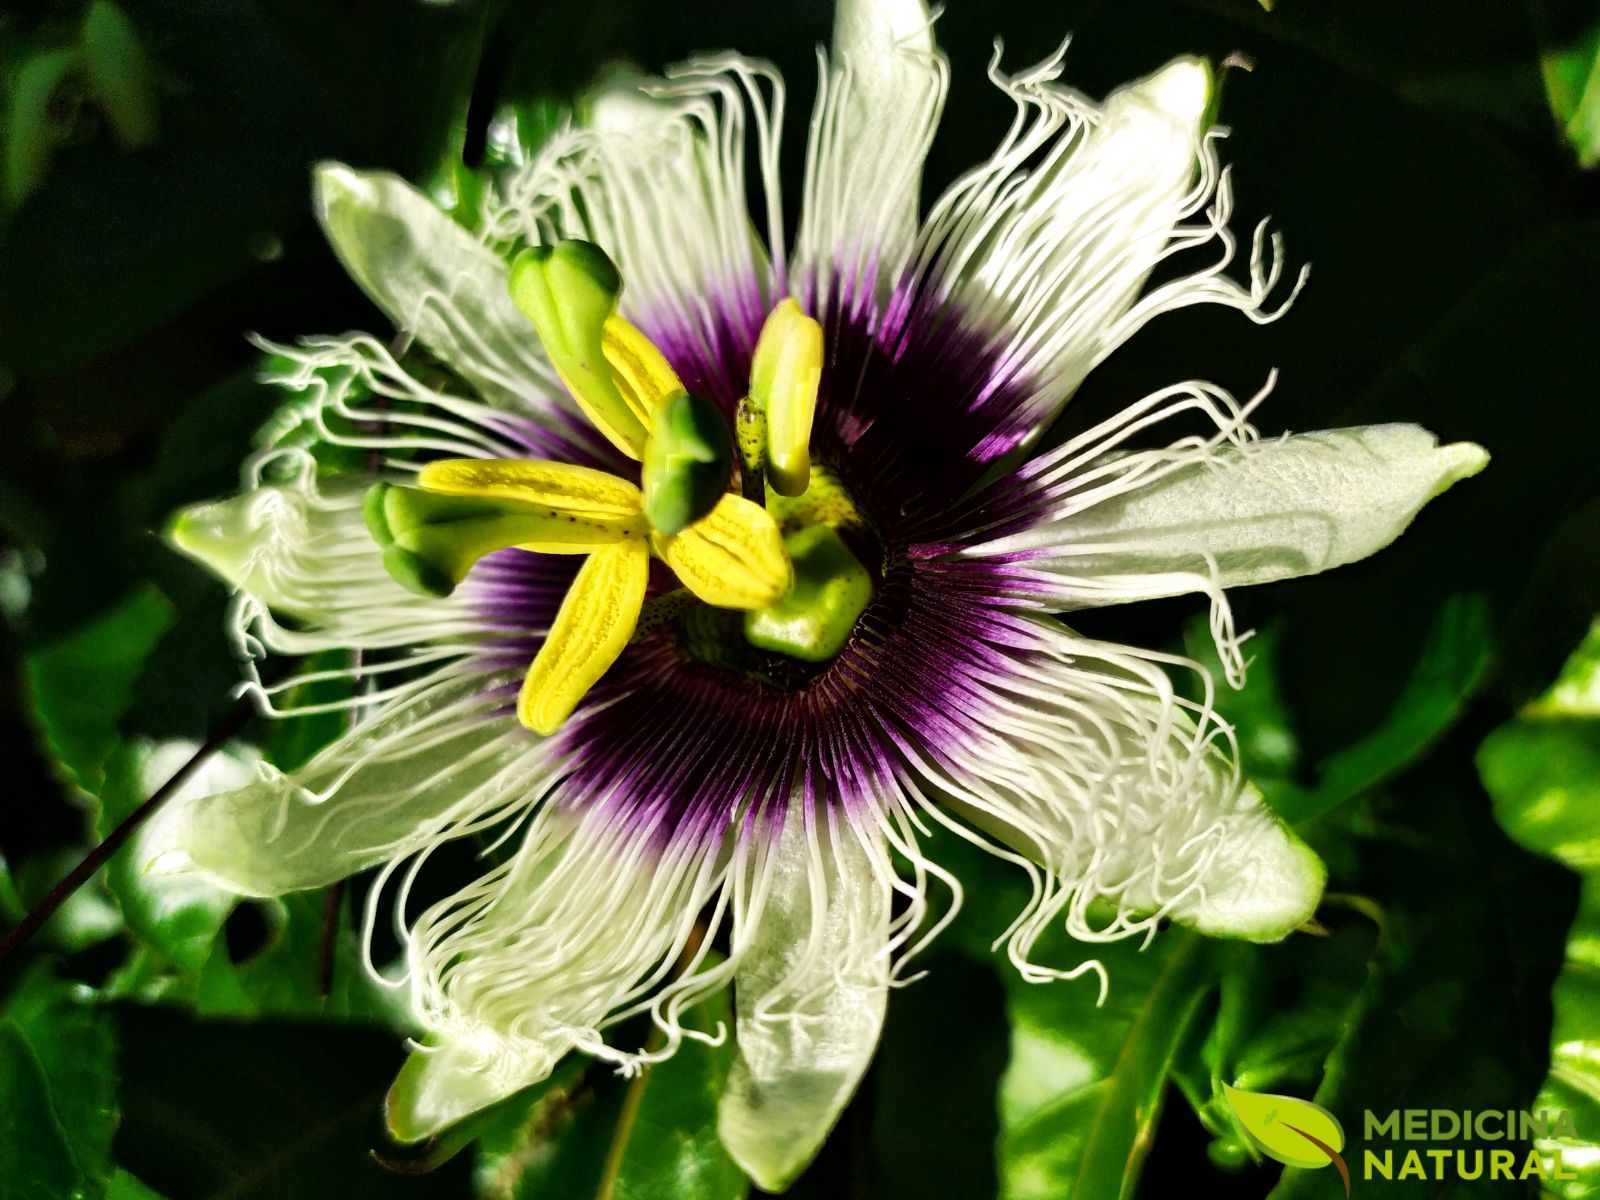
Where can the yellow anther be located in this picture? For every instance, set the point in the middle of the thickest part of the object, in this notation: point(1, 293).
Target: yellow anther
point(466, 507)
point(431, 537)
point(726, 550)
point(784, 376)
point(641, 372)
point(583, 493)
point(733, 558)
point(591, 630)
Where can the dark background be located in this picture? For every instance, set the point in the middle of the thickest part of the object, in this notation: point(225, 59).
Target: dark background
point(1406, 150)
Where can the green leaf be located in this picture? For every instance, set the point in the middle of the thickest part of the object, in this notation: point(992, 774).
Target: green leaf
point(1545, 777)
point(119, 73)
point(124, 1186)
point(178, 915)
point(1471, 935)
point(34, 1158)
point(666, 1142)
point(1449, 670)
point(1543, 771)
point(30, 134)
point(11, 906)
point(1079, 1101)
point(1453, 662)
point(262, 1110)
point(1281, 1011)
point(80, 685)
point(554, 1138)
point(73, 1048)
point(1569, 61)
point(285, 976)
point(587, 1133)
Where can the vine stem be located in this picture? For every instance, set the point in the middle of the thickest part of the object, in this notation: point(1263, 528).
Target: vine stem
point(236, 719)
point(635, 1094)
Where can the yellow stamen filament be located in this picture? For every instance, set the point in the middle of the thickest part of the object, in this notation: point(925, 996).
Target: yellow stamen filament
point(591, 629)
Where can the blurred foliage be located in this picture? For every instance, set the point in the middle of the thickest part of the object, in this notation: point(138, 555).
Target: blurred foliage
point(1432, 162)
point(585, 1133)
point(1543, 770)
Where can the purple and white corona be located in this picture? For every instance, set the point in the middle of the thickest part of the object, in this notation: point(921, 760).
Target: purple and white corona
point(707, 571)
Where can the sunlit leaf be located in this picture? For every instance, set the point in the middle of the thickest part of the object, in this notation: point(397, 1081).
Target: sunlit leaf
point(81, 684)
point(177, 914)
point(35, 1159)
point(70, 1044)
point(1543, 770)
point(587, 1133)
point(1080, 1098)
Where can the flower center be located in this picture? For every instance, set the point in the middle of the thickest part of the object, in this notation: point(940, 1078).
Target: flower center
point(786, 644)
point(774, 563)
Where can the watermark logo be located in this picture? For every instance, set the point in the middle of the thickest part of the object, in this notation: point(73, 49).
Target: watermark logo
point(1538, 1142)
point(1298, 1133)
point(1295, 1132)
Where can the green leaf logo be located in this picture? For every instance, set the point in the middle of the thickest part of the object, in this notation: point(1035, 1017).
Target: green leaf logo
point(1295, 1132)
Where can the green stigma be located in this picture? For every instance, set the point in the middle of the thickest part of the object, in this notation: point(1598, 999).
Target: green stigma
point(831, 590)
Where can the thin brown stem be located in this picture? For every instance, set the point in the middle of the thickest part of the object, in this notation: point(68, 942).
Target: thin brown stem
point(235, 720)
point(330, 938)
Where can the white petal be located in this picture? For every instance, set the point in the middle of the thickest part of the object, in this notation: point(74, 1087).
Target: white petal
point(1128, 799)
point(303, 549)
point(445, 1083)
point(294, 547)
point(1041, 252)
point(156, 845)
point(657, 179)
point(434, 280)
point(1258, 884)
point(587, 924)
point(376, 793)
point(810, 992)
point(875, 117)
point(1259, 512)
